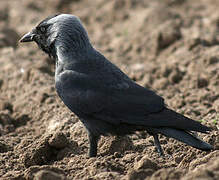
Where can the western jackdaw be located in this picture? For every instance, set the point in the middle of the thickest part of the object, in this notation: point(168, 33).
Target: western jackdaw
point(105, 99)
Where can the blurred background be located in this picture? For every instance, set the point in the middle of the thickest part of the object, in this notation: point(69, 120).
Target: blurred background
point(170, 46)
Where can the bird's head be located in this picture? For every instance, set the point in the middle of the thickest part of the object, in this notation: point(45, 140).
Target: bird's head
point(63, 31)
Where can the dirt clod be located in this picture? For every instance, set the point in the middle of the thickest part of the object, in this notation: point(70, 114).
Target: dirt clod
point(116, 145)
point(6, 105)
point(140, 174)
point(145, 163)
point(170, 174)
point(168, 34)
point(176, 76)
point(8, 37)
point(48, 175)
point(58, 140)
point(43, 172)
point(39, 154)
point(202, 82)
point(4, 147)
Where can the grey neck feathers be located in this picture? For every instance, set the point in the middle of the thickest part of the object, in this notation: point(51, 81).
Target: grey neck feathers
point(72, 48)
point(71, 44)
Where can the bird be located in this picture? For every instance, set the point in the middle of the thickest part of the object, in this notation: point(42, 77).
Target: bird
point(104, 98)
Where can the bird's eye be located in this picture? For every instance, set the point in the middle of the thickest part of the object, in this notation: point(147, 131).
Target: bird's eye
point(43, 29)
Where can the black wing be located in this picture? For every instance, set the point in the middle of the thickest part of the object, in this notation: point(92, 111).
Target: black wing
point(120, 101)
point(116, 102)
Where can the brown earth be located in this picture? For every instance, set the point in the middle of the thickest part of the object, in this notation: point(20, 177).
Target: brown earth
point(171, 46)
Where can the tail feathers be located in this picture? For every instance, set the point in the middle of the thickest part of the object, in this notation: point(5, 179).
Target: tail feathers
point(172, 119)
point(185, 137)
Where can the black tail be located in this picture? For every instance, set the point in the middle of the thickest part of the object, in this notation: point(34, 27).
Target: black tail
point(185, 137)
point(171, 119)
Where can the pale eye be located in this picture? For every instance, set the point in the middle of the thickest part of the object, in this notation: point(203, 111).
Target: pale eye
point(42, 29)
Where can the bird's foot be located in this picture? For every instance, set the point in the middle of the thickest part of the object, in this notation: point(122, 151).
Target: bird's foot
point(93, 145)
point(157, 145)
point(160, 152)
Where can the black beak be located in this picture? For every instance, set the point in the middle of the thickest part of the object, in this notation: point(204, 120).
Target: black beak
point(27, 37)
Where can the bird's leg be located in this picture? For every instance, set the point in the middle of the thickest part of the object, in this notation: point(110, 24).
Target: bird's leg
point(93, 140)
point(157, 144)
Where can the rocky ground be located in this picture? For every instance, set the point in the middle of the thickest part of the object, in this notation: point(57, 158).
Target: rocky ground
point(171, 46)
